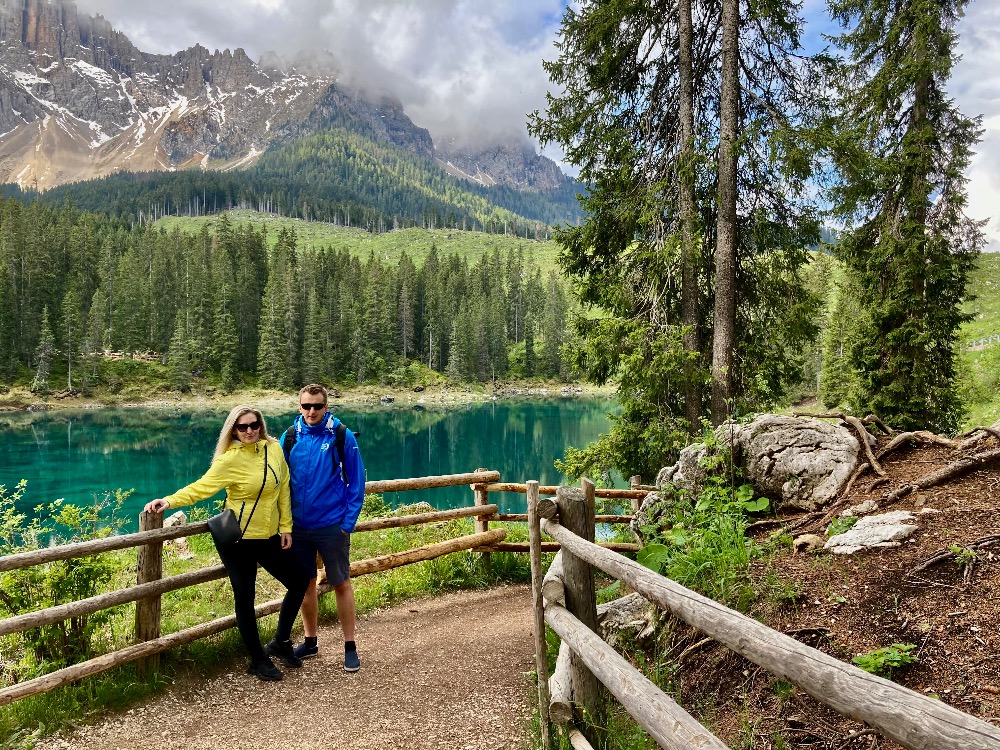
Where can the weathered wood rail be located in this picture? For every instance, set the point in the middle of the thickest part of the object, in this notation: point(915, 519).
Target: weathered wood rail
point(151, 585)
point(912, 720)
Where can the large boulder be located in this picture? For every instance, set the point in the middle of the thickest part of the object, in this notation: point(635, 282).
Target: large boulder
point(798, 463)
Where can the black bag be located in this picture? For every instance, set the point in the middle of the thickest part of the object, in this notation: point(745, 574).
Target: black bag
point(225, 526)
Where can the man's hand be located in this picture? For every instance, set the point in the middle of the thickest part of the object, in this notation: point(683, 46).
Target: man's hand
point(156, 506)
point(286, 540)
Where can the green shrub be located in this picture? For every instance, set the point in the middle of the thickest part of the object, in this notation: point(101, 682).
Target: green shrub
point(882, 661)
point(38, 587)
point(840, 525)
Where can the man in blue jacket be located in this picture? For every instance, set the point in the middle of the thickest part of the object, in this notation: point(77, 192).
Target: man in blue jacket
point(328, 488)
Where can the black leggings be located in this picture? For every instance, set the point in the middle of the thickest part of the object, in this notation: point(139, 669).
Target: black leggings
point(241, 561)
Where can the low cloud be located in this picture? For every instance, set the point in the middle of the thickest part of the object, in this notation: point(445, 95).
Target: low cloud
point(471, 70)
point(467, 70)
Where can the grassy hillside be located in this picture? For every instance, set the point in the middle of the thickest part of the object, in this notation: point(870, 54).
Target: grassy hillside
point(981, 367)
point(388, 245)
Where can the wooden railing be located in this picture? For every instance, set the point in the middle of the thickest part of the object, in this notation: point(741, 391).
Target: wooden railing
point(150, 585)
point(566, 602)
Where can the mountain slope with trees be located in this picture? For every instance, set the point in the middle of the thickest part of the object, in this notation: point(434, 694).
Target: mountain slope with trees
point(336, 176)
point(79, 291)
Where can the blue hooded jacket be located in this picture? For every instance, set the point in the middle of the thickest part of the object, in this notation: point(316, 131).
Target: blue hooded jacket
point(319, 496)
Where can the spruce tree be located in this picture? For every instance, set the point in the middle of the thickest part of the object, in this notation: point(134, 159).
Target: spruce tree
point(315, 353)
point(622, 115)
point(177, 357)
point(902, 148)
point(455, 366)
point(224, 344)
point(71, 333)
point(43, 355)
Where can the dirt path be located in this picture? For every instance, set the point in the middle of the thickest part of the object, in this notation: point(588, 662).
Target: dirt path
point(446, 672)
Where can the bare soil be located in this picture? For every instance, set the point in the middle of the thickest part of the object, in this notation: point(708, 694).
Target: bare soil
point(849, 605)
point(447, 672)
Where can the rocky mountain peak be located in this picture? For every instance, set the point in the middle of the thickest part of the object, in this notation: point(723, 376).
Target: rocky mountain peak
point(78, 100)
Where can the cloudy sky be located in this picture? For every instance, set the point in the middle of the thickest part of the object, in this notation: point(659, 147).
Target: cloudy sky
point(474, 66)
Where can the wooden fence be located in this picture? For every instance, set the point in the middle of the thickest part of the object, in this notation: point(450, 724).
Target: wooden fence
point(565, 600)
point(151, 585)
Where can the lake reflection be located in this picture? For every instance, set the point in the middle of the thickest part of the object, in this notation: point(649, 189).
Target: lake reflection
point(75, 455)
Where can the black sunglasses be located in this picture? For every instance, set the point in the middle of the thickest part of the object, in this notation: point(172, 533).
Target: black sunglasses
point(255, 425)
point(313, 407)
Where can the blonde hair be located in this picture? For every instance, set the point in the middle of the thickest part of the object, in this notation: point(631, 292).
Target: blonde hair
point(226, 438)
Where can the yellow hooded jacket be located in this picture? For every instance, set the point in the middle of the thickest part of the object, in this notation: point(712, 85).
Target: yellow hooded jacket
point(240, 470)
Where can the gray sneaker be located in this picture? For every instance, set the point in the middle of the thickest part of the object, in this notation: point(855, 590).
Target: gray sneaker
point(351, 661)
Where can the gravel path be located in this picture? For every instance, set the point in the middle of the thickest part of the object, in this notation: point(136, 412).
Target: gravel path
point(446, 672)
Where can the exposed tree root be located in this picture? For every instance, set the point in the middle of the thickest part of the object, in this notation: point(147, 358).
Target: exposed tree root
point(978, 434)
point(955, 469)
point(919, 436)
point(947, 554)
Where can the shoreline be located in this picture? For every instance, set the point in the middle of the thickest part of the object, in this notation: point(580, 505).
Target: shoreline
point(19, 399)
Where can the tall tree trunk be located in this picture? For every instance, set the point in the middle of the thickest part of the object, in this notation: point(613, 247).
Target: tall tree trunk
point(689, 246)
point(725, 249)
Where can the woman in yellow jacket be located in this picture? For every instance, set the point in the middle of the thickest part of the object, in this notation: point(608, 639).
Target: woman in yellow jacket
point(251, 466)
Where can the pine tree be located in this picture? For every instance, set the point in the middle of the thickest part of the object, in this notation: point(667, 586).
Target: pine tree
point(72, 333)
point(315, 352)
point(177, 357)
point(529, 346)
point(224, 344)
point(455, 365)
point(902, 149)
point(271, 362)
point(8, 325)
point(46, 346)
point(622, 116)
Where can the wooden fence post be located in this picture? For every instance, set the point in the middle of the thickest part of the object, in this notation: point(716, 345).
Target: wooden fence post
point(633, 483)
point(576, 514)
point(482, 525)
point(538, 610)
point(149, 567)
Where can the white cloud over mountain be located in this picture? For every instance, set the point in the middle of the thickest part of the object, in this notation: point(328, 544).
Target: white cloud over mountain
point(472, 69)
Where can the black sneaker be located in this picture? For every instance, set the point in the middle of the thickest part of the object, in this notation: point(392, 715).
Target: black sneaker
point(306, 650)
point(282, 650)
point(264, 669)
point(351, 661)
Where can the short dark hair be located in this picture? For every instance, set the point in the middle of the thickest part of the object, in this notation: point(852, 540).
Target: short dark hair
point(314, 389)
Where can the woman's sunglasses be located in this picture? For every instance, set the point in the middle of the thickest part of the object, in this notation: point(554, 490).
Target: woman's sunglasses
point(255, 425)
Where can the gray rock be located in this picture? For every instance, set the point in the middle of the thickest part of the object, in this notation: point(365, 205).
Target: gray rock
point(798, 463)
point(861, 509)
point(885, 530)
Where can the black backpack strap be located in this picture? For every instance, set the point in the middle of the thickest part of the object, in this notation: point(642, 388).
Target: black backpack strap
point(287, 442)
point(340, 438)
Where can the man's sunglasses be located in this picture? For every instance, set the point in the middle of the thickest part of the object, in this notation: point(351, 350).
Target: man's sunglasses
point(255, 425)
point(313, 407)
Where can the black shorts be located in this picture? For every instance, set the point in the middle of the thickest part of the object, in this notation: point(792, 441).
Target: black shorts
point(332, 544)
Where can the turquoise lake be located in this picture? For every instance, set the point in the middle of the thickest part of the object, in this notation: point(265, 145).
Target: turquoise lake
point(75, 455)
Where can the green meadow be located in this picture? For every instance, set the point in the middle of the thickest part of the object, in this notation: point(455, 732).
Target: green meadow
point(388, 246)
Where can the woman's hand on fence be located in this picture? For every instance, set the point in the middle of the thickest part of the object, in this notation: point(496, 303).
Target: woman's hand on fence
point(286, 540)
point(156, 506)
